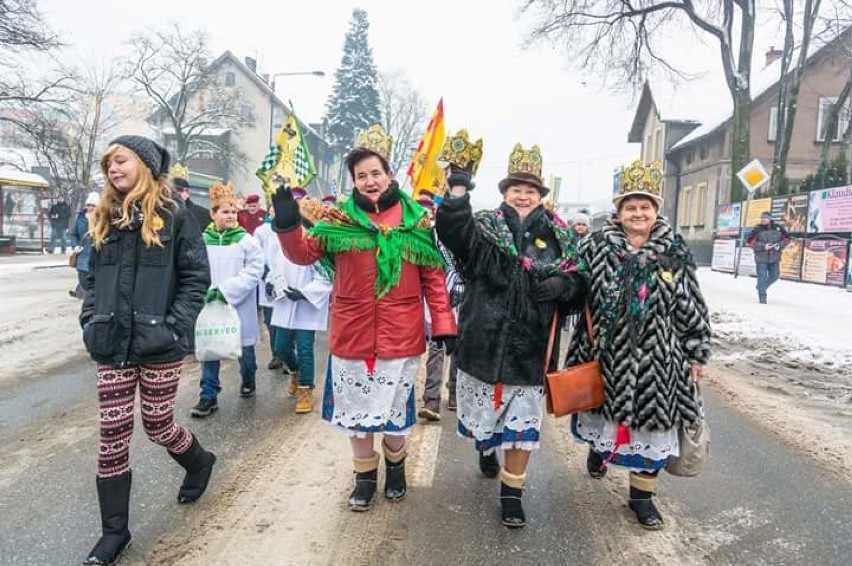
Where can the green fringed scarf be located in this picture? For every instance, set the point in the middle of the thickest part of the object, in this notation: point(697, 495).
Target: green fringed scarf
point(348, 228)
point(213, 237)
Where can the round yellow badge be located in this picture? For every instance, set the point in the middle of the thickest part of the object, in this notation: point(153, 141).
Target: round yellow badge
point(667, 276)
point(158, 224)
point(540, 244)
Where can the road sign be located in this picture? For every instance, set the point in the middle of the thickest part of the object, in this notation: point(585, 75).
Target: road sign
point(753, 176)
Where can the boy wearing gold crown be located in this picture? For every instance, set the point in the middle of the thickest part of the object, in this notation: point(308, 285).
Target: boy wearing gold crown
point(519, 267)
point(378, 245)
point(236, 268)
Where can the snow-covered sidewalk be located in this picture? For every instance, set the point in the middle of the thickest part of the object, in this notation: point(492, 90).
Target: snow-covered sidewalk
point(812, 322)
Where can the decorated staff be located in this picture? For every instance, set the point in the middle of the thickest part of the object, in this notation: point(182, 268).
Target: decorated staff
point(378, 247)
point(519, 266)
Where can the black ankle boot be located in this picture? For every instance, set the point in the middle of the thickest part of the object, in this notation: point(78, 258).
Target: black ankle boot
point(642, 504)
point(114, 500)
point(395, 485)
point(362, 496)
point(594, 465)
point(512, 510)
point(489, 465)
point(198, 464)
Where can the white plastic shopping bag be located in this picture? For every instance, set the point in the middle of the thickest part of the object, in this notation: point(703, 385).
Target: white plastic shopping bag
point(217, 330)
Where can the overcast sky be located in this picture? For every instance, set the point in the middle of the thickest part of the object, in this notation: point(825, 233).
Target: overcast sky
point(469, 52)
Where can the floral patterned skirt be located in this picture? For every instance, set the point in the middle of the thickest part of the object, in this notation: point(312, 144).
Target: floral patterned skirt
point(514, 424)
point(366, 396)
point(648, 451)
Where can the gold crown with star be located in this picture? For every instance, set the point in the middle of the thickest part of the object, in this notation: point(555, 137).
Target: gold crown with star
point(376, 140)
point(642, 179)
point(525, 160)
point(458, 150)
point(222, 195)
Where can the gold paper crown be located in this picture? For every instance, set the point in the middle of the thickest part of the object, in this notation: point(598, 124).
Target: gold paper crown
point(221, 195)
point(310, 209)
point(375, 139)
point(459, 151)
point(179, 171)
point(641, 178)
point(525, 161)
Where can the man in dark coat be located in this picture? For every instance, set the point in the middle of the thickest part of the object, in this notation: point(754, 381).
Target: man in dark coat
point(198, 212)
point(59, 215)
point(767, 239)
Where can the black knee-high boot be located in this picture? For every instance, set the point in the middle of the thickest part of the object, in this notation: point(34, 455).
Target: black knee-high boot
point(395, 484)
point(511, 493)
point(114, 500)
point(366, 478)
point(198, 464)
point(642, 490)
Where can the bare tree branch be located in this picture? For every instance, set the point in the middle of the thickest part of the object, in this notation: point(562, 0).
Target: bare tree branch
point(404, 115)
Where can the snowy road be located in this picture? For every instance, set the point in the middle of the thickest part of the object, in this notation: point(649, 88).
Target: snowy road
point(778, 490)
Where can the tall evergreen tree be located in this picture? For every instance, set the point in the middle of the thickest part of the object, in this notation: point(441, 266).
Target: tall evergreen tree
point(354, 101)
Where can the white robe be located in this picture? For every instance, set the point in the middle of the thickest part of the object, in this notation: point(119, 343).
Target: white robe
point(271, 251)
point(308, 314)
point(236, 270)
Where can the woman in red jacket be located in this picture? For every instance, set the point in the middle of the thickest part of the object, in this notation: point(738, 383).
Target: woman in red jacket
point(379, 248)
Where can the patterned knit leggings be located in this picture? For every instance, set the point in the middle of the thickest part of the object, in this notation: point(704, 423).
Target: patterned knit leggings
point(158, 385)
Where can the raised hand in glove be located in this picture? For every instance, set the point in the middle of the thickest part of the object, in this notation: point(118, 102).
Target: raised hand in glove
point(458, 177)
point(448, 343)
point(294, 294)
point(287, 215)
point(549, 289)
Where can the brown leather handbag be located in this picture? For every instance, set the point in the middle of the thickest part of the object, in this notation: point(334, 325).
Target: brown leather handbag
point(575, 389)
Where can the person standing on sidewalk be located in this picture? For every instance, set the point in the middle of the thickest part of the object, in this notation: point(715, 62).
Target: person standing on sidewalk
point(236, 268)
point(180, 181)
point(519, 267)
point(81, 240)
point(146, 283)
point(384, 262)
point(59, 214)
point(268, 242)
point(767, 239)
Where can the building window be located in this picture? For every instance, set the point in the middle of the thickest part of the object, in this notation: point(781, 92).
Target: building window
point(230, 79)
point(658, 140)
point(648, 148)
point(700, 199)
point(690, 156)
point(842, 119)
point(685, 212)
point(703, 152)
point(773, 124)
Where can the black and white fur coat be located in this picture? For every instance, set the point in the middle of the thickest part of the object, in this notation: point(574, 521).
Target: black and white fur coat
point(645, 358)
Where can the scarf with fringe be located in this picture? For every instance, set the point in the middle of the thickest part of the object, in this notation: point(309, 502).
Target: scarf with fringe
point(348, 228)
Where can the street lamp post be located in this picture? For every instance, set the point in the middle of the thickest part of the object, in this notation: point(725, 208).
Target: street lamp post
point(272, 95)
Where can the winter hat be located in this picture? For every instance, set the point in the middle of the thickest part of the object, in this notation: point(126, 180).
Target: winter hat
point(298, 192)
point(253, 197)
point(329, 199)
point(93, 199)
point(152, 154)
point(581, 219)
point(524, 167)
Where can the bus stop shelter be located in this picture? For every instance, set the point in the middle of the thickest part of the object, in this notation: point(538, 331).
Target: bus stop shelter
point(21, 211)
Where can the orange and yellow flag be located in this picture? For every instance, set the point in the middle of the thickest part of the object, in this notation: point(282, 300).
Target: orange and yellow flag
point(427, 178)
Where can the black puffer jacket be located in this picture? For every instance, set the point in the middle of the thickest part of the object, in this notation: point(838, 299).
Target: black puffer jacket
point(141, 301)
point(503, 332)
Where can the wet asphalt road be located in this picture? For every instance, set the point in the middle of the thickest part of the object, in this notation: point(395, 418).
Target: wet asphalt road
point(48, 446)
point(759, 502)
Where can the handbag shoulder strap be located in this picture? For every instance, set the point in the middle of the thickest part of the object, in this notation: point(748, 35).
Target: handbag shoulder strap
point(588, 315)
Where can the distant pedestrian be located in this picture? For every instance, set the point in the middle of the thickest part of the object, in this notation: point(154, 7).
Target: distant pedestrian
point(180, 181)
point(767, 239)
point(651, 333)
point(252, 216)
point(81, 241)
point(59, 214)
point(236, 268)
point(580, 225)
point(150, 272)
